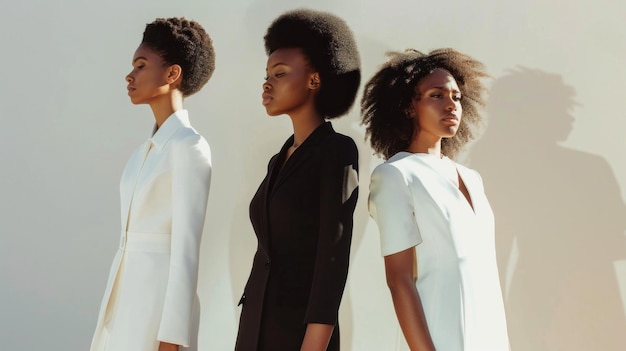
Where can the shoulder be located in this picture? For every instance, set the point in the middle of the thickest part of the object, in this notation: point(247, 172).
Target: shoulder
point(187, 144)
point(589, 160)
point(339, 141)
point(387, 172)
point(397, 166)
point(188, 137)
point(340, 145)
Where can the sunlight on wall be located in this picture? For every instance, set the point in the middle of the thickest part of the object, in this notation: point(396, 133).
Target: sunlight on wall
point(551, 159)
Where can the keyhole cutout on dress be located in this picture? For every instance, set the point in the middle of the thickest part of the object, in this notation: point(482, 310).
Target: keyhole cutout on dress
point(464, 191)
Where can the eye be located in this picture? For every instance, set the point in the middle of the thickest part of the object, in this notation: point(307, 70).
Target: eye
point(279, 74)
point(436, 96)
point(266, 78)
point(457, 98)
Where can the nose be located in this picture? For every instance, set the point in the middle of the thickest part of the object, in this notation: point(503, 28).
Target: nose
point(266, 86)
point(451, 104)
point(129, 78)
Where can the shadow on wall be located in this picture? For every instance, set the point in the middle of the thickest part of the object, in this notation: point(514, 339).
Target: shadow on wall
point(559, 219)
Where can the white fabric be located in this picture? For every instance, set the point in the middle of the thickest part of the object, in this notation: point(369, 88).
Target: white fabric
point(151, 292)
point(415, 205)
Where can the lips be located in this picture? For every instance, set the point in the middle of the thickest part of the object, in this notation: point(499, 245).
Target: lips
point(451, 119)
point(130, 89)
point(267, 98)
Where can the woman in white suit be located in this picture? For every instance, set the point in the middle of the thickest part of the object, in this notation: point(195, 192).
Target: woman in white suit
point(150, 302)
point(436, 225)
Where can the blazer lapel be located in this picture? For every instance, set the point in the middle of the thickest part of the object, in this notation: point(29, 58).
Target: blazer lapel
point(266, 189)
point(307, 150)
point(129, 181)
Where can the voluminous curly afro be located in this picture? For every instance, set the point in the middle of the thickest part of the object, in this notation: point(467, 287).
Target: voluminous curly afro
point(329, 45)
point(388, 95)
point(185, 43)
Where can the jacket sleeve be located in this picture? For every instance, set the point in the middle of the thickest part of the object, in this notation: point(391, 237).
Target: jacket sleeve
point(338, 197)
point(191, 177)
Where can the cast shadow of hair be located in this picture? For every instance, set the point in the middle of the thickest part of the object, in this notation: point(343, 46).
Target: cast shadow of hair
point(560, 219)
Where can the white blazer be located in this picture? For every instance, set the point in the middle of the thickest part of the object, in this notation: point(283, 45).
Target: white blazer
point(151, 292)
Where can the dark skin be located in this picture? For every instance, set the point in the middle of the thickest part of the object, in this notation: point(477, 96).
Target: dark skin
point(156, 84)
point(436, 111)
point(406, 299)
point(290, 88)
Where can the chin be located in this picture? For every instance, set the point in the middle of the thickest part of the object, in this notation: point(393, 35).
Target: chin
point(450, 132)
point(137, 101)
point(272, 113)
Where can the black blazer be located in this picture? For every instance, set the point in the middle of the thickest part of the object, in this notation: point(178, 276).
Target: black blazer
point(302, 217)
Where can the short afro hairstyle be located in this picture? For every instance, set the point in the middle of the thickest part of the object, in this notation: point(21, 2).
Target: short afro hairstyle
point(388, 95)
point(329, 45)
point(185, 43)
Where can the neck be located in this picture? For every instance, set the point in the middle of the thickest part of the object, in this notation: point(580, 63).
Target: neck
point(164, 106)
point(304, 125)
point(425, 144)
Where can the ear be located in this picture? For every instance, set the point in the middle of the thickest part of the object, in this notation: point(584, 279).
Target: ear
point(314, 81)
point(173, 73)
point(409, 112)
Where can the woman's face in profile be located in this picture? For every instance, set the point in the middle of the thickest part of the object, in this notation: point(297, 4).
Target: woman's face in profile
point(290, 82)
point(148, 78)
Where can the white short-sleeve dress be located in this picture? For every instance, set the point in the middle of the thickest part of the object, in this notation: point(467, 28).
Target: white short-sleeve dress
point(415, 205)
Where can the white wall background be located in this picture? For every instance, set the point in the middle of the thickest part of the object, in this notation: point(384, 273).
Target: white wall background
point(552, 159)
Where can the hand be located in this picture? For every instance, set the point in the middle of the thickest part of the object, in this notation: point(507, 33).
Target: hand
point(166, 346)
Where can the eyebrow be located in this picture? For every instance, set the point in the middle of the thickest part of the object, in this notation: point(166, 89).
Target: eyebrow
point(139, 58)
point(446, 89)
point(278, 64)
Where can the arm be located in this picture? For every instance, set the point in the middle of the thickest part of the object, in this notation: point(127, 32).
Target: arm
point(338, 196)
point(191, 176)
point(316, 337)
point(391, 205)
point(164, 346)
point(406, 300)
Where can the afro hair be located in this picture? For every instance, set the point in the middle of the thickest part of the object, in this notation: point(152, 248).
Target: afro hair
point(329, 45)
point(388, 95)
point(185, 43)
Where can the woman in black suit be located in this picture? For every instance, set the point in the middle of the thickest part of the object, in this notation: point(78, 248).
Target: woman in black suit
point(302, 211)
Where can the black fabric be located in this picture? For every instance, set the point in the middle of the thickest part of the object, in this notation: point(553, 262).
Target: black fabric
point(304, 231)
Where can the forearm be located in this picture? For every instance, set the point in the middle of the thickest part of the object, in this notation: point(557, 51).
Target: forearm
point(410, 313)
point(316, 337)
point(165, 346)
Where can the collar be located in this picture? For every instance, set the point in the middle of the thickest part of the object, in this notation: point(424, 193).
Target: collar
point(314, 138)
point(321, 132)
point(174, 122)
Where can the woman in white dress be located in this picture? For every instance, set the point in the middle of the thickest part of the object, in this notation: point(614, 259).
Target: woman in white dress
point(150, 302)
point(436, 226)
